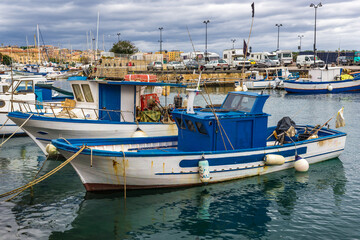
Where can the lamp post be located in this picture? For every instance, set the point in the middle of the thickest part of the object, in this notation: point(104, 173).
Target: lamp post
point(300, 36)
point(315, 7)
point(118, 34)
point(206, 23)
point(233, 41)
point(160, 41)
point(278, 25)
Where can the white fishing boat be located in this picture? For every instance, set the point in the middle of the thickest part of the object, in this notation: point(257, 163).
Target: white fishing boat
point(213, 145)
point(324, 80)
point(273, 78)
point(20, 89)
point(100, 109)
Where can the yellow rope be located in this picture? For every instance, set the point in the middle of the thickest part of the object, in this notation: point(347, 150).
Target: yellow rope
point(17, 130)
point(4, 123)
point(32, 183)
point(9, 199)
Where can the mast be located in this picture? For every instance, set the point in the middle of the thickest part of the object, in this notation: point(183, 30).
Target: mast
point(27, 49)
point(38, 35)
point(97, 35)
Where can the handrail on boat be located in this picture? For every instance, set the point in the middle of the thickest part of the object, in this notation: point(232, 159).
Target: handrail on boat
point(42, 108)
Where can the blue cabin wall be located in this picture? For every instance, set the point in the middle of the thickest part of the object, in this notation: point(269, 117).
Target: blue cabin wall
point(109, 99)
point(248, 131)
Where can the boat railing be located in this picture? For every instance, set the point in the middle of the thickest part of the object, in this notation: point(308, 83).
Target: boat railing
point(60, 110)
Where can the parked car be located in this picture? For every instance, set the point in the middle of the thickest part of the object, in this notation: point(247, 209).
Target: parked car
point(265, 63)
point(192, 64)
point(345, 60)
point(175, 65)
point(216, 64)
point(155, 66)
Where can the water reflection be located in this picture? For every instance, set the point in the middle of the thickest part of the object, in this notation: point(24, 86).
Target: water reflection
point(230, 209)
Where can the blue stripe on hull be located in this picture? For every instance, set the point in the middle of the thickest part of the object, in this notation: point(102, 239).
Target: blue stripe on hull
point(246, 168)
point(319, 91)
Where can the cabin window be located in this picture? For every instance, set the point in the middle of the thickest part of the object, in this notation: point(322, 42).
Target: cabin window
point(25, 87)
point(180, 123)
point(78, 94)
point(236, 102)
point(190, 125)
point(87, 92)
point(201, 128)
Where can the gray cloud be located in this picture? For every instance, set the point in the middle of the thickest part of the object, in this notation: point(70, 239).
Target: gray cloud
point(66, 23)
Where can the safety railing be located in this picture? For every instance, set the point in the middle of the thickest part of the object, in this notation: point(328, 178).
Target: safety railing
point(59, 110)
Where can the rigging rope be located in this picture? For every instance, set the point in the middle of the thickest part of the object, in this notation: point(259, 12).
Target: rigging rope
point(16, 130)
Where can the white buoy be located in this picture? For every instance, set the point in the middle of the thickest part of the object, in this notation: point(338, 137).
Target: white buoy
point(204, 170)
point(330, 88)
point(274, 159)
point(51, 150)
point(301, 165)
point(139, 133)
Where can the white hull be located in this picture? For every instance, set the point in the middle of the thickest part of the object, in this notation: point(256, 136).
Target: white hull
point(175, 169)
point(260, 84)
point(43, 131)
point(7, 126)
point(322, 87)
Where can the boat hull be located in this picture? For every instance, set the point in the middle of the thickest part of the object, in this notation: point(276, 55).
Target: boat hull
point(260, 84)
point(8, 127)
point(322, 87)
point(43, 129)
point(112, 170)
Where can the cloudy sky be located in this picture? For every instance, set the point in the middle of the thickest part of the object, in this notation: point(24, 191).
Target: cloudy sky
point(66, 23)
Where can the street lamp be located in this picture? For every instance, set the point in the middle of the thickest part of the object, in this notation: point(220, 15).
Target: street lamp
point(315, 7)
point(118, 37)
point(233, 40)
point(278, 25)
point(206, 23)
point(161, 28)
point(300, 36)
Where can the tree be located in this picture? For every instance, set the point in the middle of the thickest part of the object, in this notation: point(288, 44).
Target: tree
point(5, 59)
point(124, 47)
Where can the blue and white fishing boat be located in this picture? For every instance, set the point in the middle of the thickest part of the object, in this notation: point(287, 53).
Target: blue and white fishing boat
point(324, 80)
point(273, 78)
point(100, 109)
point(21, 89)
point(213, 145)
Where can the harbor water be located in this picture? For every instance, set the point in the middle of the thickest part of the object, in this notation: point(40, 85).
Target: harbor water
point(323, 203)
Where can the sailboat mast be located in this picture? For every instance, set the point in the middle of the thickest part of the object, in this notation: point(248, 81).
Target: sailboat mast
point(38, 35)
point(97, 35)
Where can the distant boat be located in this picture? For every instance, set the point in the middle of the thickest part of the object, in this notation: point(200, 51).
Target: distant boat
point(323, 80)
point(274, 78)
point(213, 145)
point(21, 89)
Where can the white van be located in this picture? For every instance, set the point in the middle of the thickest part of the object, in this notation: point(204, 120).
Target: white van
point(308, 60)
point(285, 57)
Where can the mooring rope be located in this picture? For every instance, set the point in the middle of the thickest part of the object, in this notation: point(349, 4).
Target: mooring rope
point(16, 130)
point(4, 123)
point(9, 199)
point(37, 180)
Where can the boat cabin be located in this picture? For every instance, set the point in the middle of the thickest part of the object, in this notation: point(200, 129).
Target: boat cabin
point(120, 101)
point(238, 124)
